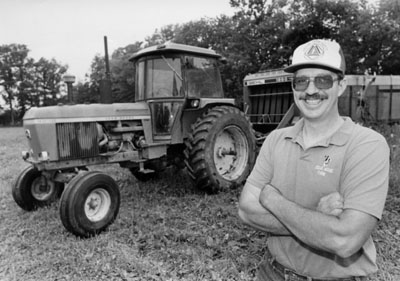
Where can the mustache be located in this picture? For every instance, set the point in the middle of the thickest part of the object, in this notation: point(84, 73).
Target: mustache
point(313, 96)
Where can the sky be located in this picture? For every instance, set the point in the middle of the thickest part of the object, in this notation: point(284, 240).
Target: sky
point(72, 31)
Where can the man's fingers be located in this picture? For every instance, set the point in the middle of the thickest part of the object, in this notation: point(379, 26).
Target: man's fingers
point(331, 204)
point(332, 197)
point(337, 205)
point(336, 212)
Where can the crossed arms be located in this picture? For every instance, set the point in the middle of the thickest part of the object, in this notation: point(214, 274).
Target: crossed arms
point(330, 227)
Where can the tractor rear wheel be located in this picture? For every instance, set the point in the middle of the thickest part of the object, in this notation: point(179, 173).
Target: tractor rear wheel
point(89, 204)
point(220, 151)
point(33, 190)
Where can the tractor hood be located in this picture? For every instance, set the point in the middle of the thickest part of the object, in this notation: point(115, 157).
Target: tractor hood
point(88, 113)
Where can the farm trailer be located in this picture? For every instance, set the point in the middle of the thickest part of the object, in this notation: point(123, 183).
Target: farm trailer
point(268, 100)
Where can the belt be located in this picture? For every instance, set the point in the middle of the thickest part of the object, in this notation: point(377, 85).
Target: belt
point(289, 274)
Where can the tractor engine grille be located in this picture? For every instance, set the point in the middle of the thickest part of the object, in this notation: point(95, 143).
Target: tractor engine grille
point(77, 140)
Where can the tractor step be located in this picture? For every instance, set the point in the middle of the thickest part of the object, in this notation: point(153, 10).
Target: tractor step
point(146, 171)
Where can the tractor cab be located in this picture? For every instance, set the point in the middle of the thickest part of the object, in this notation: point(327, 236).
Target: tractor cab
point(171, 78)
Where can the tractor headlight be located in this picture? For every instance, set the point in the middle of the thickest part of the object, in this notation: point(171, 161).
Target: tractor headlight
point(25, 155)
point(194, 103)
point(44, 156)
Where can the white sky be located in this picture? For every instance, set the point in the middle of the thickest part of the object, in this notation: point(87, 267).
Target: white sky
point(72, 31)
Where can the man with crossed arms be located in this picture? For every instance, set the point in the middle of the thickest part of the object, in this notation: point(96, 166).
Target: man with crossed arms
point(319, 187)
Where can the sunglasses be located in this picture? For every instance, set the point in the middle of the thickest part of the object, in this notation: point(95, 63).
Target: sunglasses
point(322, 82)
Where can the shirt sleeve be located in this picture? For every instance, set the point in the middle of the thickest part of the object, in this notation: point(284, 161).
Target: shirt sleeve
point(366, 175)
point(262, 172)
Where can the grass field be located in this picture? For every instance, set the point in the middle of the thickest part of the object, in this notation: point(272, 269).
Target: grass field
point(165, 231)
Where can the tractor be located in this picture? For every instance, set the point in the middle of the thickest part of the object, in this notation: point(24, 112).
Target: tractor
point(180, 117)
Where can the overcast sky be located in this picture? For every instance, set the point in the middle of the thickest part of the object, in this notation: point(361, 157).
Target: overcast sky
point(72, 31)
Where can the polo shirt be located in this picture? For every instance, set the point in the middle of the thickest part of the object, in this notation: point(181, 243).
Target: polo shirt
point(353, 161)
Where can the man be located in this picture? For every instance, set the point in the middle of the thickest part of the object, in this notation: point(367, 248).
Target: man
point(319, 187)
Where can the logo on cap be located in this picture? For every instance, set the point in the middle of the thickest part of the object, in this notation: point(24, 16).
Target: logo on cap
point(314, 50)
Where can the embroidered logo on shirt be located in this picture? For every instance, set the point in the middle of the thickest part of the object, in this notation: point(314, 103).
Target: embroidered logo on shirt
point(327, 159)
point(323, 169)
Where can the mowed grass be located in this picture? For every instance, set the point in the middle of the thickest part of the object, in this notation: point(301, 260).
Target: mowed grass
point(165, 230)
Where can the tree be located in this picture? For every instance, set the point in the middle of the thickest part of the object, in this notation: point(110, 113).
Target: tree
point(123, 73)
point(26, 93)
point(89, 92)
point(28, 83)
point(12, 59)
point(262, 35)
point(386, 31)
point(48, 80)
point(165, 34)
point(369, 36)
point(122, 77)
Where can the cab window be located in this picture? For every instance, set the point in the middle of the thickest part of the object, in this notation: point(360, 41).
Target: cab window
point(203, 77)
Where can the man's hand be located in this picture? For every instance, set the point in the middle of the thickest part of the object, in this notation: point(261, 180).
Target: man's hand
point(331, 204)
point(254, 214)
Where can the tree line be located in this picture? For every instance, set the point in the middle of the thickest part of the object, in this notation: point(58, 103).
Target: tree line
point(25, 82)
point(260, 35)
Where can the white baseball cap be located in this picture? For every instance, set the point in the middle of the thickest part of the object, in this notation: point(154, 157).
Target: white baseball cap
point(326, 54)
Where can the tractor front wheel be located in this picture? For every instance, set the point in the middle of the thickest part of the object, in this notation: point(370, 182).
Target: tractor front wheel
point(89, 204)
point(33, 190)
point(220, 152)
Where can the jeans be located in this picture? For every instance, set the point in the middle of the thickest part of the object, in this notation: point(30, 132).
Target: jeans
point(266, 272)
